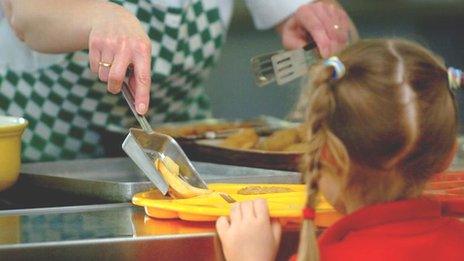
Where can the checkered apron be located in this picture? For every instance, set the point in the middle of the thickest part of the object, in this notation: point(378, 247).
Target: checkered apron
point(65, 104)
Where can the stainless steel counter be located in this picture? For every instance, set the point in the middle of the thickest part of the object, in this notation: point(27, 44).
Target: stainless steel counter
point(48, 216)
point(110, 232)
point(118, 179)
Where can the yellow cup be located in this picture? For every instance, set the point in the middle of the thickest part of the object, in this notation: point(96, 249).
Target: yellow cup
point(11, 129)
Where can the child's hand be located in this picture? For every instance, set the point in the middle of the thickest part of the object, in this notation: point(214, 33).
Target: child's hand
point(249, 235)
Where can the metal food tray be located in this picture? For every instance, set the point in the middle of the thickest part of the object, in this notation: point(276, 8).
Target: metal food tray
point(118, 179)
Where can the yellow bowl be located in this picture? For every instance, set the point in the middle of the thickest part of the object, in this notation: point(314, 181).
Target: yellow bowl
point(11, 129)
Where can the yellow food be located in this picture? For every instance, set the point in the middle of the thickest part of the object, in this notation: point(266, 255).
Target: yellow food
point(279, 140)
point(200, 128)
point(289, 140)
point(297, 147)
point(243, 139)
point(256, 190)
point(302, 133)
point(178, 188)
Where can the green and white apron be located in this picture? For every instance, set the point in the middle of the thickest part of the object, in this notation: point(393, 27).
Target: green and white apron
point(65, 103)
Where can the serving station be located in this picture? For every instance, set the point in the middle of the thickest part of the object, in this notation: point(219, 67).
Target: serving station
point(81, 209)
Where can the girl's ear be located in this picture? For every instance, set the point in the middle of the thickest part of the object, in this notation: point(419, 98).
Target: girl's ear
point(450, 157)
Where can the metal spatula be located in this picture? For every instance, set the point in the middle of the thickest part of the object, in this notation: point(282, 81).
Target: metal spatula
point(144, 146)
point(283, 66)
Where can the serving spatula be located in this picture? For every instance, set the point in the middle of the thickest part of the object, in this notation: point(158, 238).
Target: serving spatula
point(144, 145)
point(283, 66)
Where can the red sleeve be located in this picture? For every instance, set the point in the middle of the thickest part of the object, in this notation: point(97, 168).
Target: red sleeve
point(293, 258)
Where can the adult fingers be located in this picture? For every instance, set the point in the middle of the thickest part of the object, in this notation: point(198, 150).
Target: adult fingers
point(235, 213)
point(307, 19)
point(142, 75)
point(105, 64)
point(261, 208)
point(248, 211)
point(345, 24)
point(330, 24)
point(327, 19)
point(94, 58)
point(293, 36)
point(222, 225)
point(338, 24)
point(118, 71)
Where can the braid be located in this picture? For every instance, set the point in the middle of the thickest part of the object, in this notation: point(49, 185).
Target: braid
point(321, 107)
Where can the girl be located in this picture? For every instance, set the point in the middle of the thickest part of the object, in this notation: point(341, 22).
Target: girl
point(382, 120)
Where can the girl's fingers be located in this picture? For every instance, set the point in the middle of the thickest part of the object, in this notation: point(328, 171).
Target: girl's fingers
point(235, 213)
point(276, 232)
point(118, 70)
point(248, 211)
point(261, 208)
point(222, 225)
point(142, 75)
point(104, 64)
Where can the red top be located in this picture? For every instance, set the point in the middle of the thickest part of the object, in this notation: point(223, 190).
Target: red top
point(403, 230)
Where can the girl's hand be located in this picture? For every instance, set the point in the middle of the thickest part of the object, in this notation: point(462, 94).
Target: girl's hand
point(325, 22)
point(117, 41)
point(249, 234)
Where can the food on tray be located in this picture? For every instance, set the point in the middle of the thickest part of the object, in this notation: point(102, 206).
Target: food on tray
point(256, 190)
point(178, 188)
point(290, 140)
point(195, 129)
point(243, 139)
point(279, 140)
point(300, 147)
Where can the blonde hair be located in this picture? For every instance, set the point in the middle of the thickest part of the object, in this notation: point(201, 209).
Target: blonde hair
point(392, 114)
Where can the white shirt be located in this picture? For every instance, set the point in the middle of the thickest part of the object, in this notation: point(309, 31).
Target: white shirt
point(16, 55)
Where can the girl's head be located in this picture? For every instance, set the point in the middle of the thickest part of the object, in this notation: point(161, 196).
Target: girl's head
point(383, 128)
point(386, 125)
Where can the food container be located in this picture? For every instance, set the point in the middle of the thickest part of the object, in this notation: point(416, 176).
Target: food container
point(211, 151)
point(11, 129)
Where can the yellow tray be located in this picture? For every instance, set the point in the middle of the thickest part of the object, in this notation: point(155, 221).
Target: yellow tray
point(210, 207)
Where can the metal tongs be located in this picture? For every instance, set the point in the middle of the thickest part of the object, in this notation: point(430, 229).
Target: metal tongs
point(284, 66)
point(144, 146)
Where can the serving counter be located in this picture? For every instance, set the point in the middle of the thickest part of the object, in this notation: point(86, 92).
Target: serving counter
point(79, 210)
point(109, 232)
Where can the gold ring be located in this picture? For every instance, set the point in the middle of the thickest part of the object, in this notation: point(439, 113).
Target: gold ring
point(336, 26)
point(107, 65)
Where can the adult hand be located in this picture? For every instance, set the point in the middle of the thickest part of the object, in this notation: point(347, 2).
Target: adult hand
point(117, 41)
point(249, 233)
point(323, 21)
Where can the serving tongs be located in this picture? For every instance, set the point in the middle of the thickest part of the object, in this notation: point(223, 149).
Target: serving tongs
point(144, 146)
point(284, 66)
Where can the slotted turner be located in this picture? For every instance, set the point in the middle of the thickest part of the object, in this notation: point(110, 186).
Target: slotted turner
point(283, 66)
point(144, 146)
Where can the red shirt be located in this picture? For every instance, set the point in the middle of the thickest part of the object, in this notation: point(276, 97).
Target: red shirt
point(403, 230)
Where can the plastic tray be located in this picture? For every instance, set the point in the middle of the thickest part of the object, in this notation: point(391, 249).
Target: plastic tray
point(286, 206)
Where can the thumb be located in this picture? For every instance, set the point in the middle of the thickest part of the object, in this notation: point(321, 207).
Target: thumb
point(222, 226)
point(276, 231)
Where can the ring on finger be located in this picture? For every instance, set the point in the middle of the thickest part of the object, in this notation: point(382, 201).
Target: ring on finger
point(103, 64)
